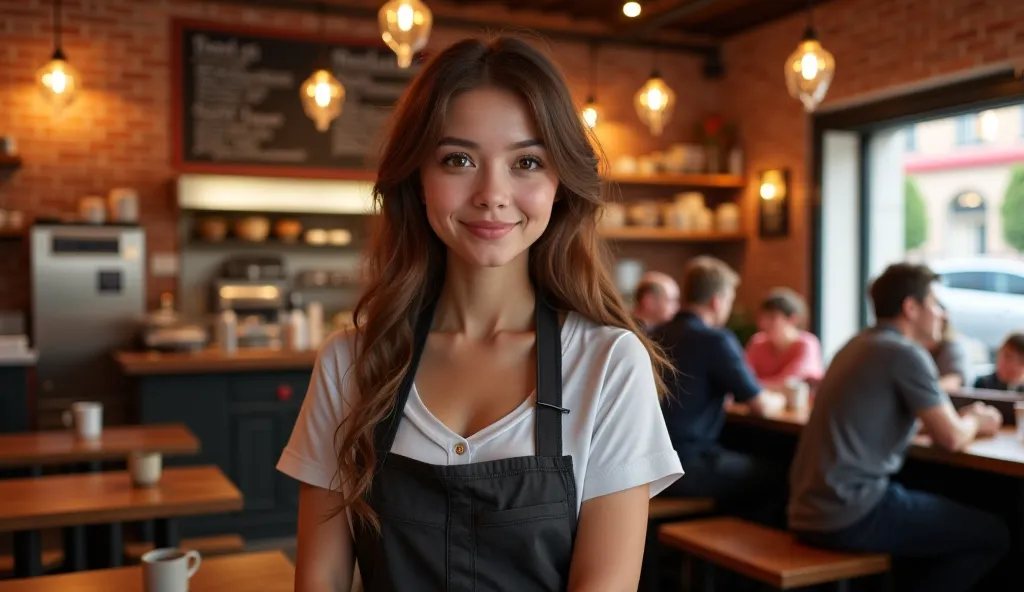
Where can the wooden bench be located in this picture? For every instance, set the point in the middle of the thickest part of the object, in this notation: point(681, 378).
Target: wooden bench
point(659, 511)
point(209, 546)
point(768, 555)
point(50, 559)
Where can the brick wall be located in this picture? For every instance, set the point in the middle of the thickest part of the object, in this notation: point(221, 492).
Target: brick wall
point(118, 132)
point(876, 44)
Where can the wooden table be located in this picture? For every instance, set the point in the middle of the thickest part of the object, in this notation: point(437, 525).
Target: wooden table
point(1002, 454)
point(252, 572)
point(134, 363)
point(116, 443)
point(30, 504)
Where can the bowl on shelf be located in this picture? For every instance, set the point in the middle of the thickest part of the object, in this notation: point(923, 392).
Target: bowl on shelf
point(252, 228)
point(212, 229)
point(288, 230)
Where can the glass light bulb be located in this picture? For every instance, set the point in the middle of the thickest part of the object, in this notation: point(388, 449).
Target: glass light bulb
point(405, 27)
point(322, 97)
point(59, 83)
point(631, 9)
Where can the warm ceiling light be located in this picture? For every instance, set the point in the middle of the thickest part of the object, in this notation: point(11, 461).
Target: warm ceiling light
point(322, 97)
point(58, 81)
point(631, 9)
point(654, 103)
point(590, 113)
point(405, 28)
point(809, 69)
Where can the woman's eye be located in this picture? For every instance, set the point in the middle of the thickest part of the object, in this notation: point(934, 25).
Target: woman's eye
point(457, 160)
point(528, 163)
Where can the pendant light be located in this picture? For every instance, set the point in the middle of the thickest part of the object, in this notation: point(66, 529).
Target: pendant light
point(322, 94)
point(810, 68)
point(590, 112)
point(405, 28)
point(59, 82)
point(655, 102)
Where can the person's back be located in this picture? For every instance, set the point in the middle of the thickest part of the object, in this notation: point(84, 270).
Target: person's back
point(859, 429)
point(708, 362)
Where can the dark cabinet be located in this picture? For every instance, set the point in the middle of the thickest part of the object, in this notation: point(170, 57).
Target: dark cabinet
point(243, 421)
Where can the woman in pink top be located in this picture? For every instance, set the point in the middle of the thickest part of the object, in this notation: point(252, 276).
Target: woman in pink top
point(781, 349)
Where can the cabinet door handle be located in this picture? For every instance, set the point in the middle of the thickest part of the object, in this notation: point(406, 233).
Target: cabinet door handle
point(284, 392)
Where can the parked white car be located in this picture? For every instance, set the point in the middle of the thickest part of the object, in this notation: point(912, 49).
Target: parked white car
point(984, 297)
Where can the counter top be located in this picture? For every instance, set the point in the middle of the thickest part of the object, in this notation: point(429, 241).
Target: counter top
point(21, 358)
point(134, 363)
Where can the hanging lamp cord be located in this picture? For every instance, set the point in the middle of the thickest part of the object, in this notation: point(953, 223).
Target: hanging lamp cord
point(56, 25)
point(593, 70)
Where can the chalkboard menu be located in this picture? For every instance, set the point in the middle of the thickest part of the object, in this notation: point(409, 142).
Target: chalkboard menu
point(237, 106)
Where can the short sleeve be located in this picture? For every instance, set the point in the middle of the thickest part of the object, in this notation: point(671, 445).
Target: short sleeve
point(630, 444)
point(311, 455)
point(917, 379)
point(730, 373)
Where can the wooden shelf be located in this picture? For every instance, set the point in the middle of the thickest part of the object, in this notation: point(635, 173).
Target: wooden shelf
point(692, 180)
point(267, 244)
point(11, 235)
point(641, 233)
point(9, 162)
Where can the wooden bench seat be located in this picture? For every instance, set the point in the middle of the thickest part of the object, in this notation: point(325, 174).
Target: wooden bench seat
point(209, 546)
point(51, 559)
point(767, 555)
point(662, 508)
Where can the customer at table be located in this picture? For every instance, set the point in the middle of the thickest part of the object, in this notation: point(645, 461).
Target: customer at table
point(781, 351)
point(710, 366)
point(950, 358)
point(1009, 374)
point(857, 436)
point(655, 300)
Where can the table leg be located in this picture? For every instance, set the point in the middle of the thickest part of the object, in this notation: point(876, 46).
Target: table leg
point(28, 552)
point(74, 548)
point(165, 533)
point(105, 547)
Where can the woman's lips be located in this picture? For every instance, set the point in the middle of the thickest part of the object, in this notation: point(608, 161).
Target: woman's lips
point(489, 230)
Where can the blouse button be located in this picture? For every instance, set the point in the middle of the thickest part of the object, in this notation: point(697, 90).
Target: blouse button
point(460, 449)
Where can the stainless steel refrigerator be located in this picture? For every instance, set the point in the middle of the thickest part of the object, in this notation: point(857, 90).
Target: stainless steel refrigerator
point(88, 299)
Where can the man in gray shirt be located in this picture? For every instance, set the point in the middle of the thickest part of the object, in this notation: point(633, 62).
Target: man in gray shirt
point(865, 414)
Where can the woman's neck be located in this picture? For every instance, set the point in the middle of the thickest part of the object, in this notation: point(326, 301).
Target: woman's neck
point(481, 302)
point(788, 338)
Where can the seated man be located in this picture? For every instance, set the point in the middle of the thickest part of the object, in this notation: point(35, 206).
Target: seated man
point(1009, 374)
point(656, 300)
point(710, 365)
point(876, 388)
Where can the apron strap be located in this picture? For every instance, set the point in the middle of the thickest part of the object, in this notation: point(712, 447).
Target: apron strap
point(385, 431)
point(549, 382)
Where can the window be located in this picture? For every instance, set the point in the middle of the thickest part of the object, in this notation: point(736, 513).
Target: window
point(1013, 284)
point(910, 135)
point(982, 281)
point(967, 129)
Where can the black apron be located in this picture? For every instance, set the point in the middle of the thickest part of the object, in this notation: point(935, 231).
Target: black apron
point(502, 525)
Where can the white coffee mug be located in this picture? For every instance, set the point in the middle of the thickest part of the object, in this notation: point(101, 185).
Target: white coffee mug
point(798, 394)
point(145, 468)
point(87, 419)
point(169, 569)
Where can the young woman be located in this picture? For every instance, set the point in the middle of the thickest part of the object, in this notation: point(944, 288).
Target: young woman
point(781, 350)
point(492, 422)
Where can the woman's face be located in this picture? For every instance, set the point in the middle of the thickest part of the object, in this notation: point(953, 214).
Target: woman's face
point(488, 187)
point(773, 323)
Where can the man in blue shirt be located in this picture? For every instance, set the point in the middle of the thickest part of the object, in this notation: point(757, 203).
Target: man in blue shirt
point(711, 366)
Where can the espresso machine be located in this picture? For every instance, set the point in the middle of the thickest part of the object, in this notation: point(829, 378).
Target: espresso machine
point(257, 290)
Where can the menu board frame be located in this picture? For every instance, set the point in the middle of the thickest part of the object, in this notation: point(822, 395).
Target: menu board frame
point(179, 28)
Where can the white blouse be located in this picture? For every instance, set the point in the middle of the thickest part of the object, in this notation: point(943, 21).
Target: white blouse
point(614, 430)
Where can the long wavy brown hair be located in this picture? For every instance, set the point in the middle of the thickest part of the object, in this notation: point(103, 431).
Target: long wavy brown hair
point(405, 261)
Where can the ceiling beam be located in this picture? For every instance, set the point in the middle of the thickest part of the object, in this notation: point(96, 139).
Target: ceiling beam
point(561, 27)
point(673, 12)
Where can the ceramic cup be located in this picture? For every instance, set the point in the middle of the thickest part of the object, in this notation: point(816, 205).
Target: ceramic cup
point(87, 419)
point(798, 394)
point(168, 570)
point(145, 468)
